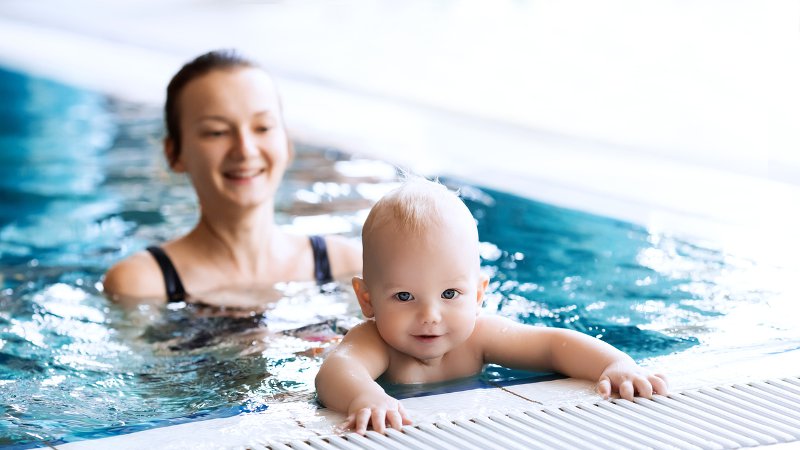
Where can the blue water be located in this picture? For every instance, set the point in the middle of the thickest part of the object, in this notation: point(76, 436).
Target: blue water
point(84, 183)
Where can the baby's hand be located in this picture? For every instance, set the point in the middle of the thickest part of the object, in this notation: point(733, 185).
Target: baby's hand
point(379, 410)
point(627, 378)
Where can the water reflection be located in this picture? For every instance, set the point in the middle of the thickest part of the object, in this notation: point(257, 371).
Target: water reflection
point(73, 365)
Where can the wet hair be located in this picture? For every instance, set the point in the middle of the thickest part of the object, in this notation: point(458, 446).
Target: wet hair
point(416, 205)
point(226, 59)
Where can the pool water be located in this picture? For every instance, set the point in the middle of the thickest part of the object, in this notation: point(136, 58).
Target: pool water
point(84, 184)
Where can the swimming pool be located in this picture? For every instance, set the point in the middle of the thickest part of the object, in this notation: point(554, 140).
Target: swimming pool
point(84, 184)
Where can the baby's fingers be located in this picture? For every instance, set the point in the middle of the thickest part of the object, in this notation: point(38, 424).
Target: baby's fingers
point(626, 390)
point(378, 421)
point(394, 419)
point(362, 420)
point(404, 414)
point(660, 384)
point(348, 423)
point(643, 387)
point(604, 387)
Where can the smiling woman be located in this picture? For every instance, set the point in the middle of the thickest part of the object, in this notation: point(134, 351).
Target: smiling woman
point(225, 131)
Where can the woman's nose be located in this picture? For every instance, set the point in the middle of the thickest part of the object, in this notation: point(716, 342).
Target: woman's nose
point(246, 143)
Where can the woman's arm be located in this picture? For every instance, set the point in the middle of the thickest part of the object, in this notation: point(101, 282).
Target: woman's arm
point(569, 352)
point(346, 381)
point(344, 255)
point(134, 280)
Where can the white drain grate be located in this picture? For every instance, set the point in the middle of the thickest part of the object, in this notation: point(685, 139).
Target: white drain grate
point(739, 415)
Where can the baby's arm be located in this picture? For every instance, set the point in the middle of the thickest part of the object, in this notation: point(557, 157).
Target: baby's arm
point(571, 353)
point(346, 382)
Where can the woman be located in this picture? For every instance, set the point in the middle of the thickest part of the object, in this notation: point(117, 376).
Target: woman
point(225, 130)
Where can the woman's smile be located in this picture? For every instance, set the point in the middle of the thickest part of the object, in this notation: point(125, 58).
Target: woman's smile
point(243, 175)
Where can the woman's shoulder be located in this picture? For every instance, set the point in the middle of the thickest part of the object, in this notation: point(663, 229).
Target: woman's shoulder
point(344, 255)
point(136, 277)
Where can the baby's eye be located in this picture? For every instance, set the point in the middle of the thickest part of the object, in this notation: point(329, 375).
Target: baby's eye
point(404, 296)
point(450, 294)
point(262, 129)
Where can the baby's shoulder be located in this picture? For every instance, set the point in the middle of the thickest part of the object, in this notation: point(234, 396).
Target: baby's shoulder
point(366, 330)
point(137, 276)
point(492, 323)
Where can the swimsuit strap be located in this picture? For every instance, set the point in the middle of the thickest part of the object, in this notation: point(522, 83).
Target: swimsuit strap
point(175, 290)
point(322, 267)
point(174, 286)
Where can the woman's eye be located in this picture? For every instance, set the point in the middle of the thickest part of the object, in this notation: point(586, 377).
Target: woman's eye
point(262, 129)
point(404, 296)
point(214, 133)
point(449, 294)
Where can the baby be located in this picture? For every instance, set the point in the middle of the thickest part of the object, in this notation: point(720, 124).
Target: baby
point(421, 292)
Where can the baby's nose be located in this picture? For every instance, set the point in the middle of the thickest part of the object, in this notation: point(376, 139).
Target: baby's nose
point(430, 314)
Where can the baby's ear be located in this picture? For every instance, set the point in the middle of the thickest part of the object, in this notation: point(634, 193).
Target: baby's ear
point(363, 297)
point(483, 283)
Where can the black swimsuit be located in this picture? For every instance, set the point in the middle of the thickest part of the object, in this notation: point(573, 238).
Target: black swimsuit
point(177, 293)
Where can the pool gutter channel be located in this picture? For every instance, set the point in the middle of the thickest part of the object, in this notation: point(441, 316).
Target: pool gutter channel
point(737, 415)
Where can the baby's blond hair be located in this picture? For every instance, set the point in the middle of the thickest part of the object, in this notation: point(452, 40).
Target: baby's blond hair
point(415, 206)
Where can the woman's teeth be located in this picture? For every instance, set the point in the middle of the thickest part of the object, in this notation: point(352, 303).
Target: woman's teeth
point(242, 174)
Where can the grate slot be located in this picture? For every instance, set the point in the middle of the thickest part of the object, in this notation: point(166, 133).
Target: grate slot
point(361, 441)
point(674, 429)
point(564, 429)
point(781, 385)
point(435, 438)
point(794, 381)
point(770, 394)
point(753, 413)
point(535, 435)
point(510, 432)
point(717, 418)
point(551, 434)
point(465, 434)
point(623, 435)
point(384, 440)
point(756, 430)
point(334, 442)
point(766, 401)
point(404, 440)
point(489, 434)
point(658, 432)
point(734, 429)
point(590, 426)
point(540, 418)
point(707, 430)
point(259, 446)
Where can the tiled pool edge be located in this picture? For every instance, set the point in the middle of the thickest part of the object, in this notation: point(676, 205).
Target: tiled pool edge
point(280, 423)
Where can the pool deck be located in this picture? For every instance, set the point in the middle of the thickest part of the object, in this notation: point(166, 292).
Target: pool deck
point(746, 200)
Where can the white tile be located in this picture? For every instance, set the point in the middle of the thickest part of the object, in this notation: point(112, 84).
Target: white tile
point(557, 392)
point(280, 422)
point(464, 405)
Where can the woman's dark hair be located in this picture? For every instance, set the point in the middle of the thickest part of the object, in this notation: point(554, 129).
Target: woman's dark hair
point(203, 64)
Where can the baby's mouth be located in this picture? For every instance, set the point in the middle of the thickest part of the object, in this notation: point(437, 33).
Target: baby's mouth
point(427, 337)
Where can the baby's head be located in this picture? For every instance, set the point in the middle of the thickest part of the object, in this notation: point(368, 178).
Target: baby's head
point(418, 210)
point(422, 281)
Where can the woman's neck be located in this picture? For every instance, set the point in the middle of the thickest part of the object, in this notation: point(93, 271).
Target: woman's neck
point(243, 239)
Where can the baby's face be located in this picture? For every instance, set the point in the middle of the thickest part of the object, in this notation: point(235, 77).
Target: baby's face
point(425, 289)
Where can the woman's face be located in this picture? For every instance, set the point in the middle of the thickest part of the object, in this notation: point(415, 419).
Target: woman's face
point(234, 145)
